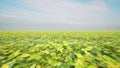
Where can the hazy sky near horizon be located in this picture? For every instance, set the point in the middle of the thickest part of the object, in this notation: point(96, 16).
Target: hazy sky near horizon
point(59, 14)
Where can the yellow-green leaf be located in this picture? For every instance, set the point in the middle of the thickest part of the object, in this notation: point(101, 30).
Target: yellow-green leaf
point(33, 66)
point(2, 58)
point(5, 66)
point(25, 55)
point(17, 52)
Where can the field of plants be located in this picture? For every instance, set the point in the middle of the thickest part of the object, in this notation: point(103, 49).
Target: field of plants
point(59, 49)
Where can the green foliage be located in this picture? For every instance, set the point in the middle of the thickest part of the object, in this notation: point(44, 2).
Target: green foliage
point(59, 49)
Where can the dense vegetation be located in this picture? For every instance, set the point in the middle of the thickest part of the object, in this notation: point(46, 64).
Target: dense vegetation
point(59, 49)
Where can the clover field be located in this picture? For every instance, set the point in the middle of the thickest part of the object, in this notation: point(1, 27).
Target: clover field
point(59, 49)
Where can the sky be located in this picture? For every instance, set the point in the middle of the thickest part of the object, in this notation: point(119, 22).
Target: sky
point(59, 14)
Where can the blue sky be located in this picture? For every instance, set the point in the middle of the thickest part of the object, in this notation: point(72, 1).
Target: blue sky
point(59, 15)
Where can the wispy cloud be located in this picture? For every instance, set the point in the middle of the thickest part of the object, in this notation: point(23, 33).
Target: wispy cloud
point(60, 11)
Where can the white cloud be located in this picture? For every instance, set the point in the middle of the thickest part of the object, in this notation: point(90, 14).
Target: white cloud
point(58, 14)
point(63, 10)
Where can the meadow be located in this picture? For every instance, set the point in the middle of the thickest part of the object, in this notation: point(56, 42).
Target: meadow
point(59, 49)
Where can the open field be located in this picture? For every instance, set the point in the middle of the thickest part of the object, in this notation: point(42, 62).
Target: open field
point(60, 49)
